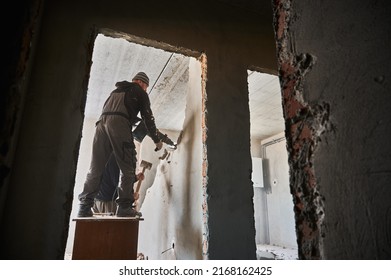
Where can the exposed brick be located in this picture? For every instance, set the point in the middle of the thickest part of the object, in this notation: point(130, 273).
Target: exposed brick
point(304, 123)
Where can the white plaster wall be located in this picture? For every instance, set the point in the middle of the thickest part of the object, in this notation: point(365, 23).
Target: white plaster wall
point(260, 216)
point(280, 214)
point(260, 206)
point(256, 147)
point(273, 211)
point(146, 153)
point(172, 226)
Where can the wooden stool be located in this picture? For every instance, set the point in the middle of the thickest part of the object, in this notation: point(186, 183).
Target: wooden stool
point(103, 237)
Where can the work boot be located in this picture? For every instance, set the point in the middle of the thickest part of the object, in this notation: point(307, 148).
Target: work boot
point(84, 211)
point(127, 212)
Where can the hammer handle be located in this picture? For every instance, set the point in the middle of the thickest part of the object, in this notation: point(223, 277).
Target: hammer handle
point(139, 182)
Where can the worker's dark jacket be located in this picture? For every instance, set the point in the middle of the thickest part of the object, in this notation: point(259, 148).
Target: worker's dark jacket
point(127, 100)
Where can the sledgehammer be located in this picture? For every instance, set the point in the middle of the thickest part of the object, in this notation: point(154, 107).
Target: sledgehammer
point(145, 165)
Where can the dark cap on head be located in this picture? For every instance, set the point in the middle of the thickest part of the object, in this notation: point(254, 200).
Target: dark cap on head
point(142, 77)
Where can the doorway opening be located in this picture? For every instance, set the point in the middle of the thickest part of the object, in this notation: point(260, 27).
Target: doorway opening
point(174, 80)
point(273, 203)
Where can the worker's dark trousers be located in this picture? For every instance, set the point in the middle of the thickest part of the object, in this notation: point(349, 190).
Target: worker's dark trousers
point(112, 134)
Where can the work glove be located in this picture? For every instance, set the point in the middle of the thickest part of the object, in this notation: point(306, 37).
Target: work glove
point(167, 140)
point(159, 145)
point(171, 145)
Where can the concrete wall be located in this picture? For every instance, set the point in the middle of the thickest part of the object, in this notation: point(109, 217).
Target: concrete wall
point(43, 170)
point(334, 70)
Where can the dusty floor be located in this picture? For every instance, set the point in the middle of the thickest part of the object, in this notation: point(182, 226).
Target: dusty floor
point(270, 252)
point(68, 256)
point(264, 252)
